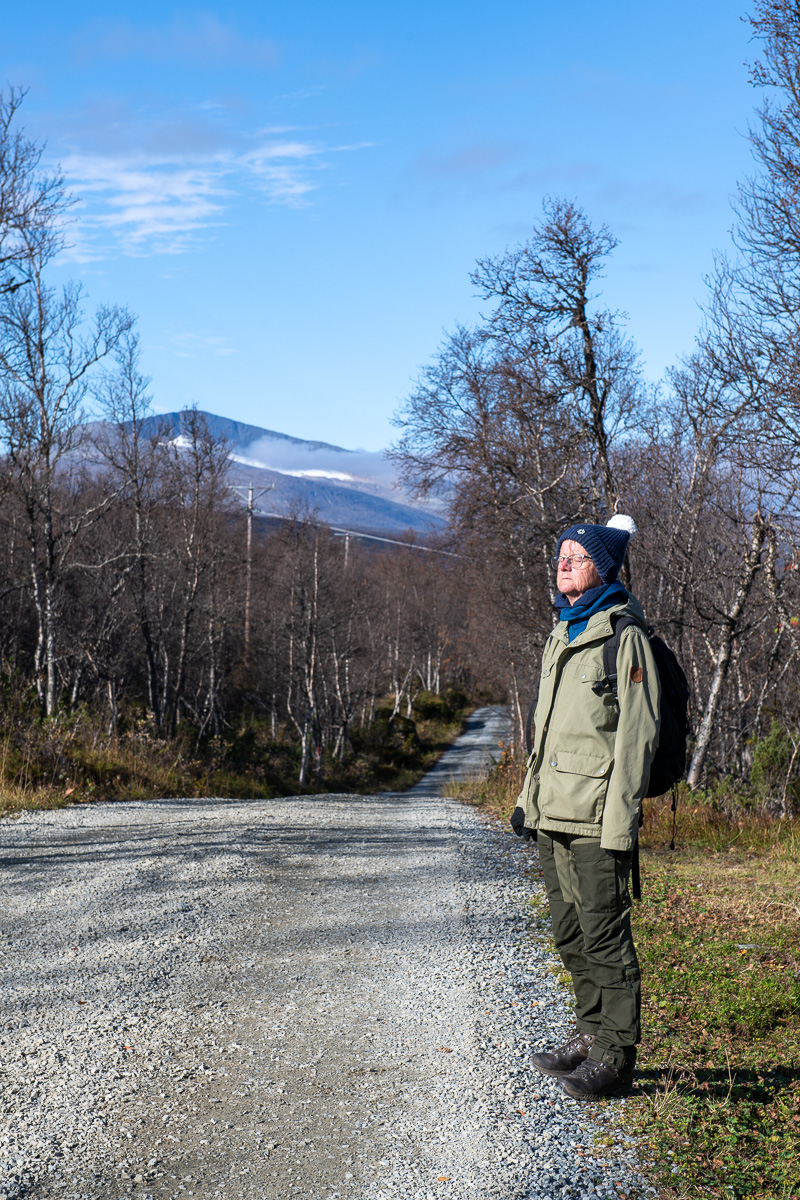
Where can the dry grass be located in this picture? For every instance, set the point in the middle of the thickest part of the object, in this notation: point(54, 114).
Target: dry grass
point(72, 759)
point(718, 932)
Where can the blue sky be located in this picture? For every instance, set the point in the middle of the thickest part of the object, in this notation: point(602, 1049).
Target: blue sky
point(291, 197)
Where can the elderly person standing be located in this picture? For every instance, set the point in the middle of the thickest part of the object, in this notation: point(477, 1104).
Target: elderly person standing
point(587, 775)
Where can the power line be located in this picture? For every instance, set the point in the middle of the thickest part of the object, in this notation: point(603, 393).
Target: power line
point(369, 537)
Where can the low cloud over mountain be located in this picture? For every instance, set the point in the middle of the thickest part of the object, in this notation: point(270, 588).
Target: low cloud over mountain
point(350, 489)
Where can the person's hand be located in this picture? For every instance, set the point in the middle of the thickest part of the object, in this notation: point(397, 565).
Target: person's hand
point(518, 825)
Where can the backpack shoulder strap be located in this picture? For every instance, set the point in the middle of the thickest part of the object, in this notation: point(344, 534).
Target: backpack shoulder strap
point(529, 728)
point(611, 649)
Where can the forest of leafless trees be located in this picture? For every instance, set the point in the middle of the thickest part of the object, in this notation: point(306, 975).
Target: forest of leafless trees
point(540, 417)
point(123, 577)
point(128, 586)
point(124, 574)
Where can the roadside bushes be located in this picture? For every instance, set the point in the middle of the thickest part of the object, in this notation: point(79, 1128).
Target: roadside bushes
point(73, 758)
point(774, 778)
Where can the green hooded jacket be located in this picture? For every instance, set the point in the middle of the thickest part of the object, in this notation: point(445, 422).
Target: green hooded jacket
point(590, 763)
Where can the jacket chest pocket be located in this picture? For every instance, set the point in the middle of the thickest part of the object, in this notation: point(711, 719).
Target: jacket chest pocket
point(589, 699)
point(587, 674)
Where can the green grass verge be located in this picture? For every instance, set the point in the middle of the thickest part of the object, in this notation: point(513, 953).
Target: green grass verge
point(718, 932)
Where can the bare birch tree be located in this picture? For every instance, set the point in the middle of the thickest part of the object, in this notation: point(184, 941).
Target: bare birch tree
point(133, 455)
point(33, 200)
point(47, 354)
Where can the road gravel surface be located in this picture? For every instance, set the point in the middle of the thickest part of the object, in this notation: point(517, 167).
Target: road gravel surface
point(317, 997)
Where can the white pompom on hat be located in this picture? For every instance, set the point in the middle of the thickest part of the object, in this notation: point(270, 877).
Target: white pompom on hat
point(606, 544)
point(621, 521)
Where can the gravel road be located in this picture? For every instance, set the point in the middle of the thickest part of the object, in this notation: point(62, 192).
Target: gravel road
point(330, 996)
point(472, 754)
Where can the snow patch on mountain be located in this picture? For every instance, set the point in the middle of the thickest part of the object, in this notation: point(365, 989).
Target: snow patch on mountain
point(300, 474)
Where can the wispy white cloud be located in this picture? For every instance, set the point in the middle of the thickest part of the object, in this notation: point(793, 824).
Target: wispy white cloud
point(369, 471)
point(154, 185)
point(197, 38)
point(144, 207)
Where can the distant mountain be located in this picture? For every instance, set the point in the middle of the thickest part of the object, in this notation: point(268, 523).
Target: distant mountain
point(350, 489)
point(237, 432)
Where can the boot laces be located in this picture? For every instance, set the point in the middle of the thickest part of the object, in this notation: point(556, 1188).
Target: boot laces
point(592, 1066)
point(577, 1039)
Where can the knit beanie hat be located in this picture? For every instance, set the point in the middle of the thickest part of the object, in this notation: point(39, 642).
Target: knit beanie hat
point(605, 544)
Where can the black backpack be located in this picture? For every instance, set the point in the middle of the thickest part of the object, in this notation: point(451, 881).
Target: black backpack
point(669, 763)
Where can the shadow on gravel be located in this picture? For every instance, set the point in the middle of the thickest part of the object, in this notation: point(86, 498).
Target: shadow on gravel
point(120, 842)
point(306, 867)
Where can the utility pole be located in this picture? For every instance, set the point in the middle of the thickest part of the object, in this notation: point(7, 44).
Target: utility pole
point(251, 498)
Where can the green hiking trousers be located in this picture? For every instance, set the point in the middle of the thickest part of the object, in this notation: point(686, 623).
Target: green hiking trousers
point(587, 888)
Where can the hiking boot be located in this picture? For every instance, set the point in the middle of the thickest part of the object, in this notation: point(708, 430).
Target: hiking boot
point(594, 1079)
point(567, 1057)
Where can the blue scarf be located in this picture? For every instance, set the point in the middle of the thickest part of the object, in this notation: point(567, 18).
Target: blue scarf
point(592, 601)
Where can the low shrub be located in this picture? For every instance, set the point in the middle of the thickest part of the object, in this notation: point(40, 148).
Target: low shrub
point(775, 770)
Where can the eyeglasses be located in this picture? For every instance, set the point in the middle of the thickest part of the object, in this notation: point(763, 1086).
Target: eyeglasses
point(570, 560)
